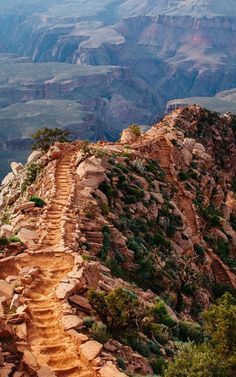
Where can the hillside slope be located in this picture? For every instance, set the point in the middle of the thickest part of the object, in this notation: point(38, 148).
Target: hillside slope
point(121, 61)
point(120, 249)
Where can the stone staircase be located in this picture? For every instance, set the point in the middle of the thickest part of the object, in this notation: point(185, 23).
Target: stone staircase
point(58, 202)
point(48, 341)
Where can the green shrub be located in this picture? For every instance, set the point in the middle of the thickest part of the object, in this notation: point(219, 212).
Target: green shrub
point(233, 185)
point(189, 331)
point(14, 239)
point(160, 240)
point(158, 365)
point(233, 220)
point(107, 189)
point(89, 214)
point(135, 129)
point(4, 241)
point(117, 309)
point(99, 332)
point(106, 243)
point(104, 208)
point(38, 202)
point(120, 362)
point(160, 313)
point(157, 330)
point(154, 168)
point(88, 321)
point(199, 250)
point(183, 176)
point(115, 268)
point(32, 172)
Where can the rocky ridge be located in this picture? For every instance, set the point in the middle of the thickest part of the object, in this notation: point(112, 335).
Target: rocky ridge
point(153, 215)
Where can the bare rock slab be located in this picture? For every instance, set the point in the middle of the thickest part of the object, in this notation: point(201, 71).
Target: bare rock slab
point(81, 302)
point(64, 290)
point(72, 322)
point(5, 289)
point(110, 371)
point(90, 350)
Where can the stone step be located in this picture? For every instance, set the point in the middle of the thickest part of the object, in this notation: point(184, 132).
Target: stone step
point(62, 372)
point(49, 349)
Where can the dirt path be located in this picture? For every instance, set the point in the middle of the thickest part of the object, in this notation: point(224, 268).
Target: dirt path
point(63, 185)
point(166, 161)
point(48, 341)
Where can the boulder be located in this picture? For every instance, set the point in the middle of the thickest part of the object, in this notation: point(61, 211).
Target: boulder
point(79, 338)
point(99, 194)
point(5, 289)
point(110, 370)
point(34, 156)
point(30, 362)
point(81, 302)
point(27, 206)
point(72, 322)
point(90, 350)
point(7, 230)
point(92, 274)
point(16, 167)
point(55, 153)
point(9, 177)
point(7, 370)
point(91, 172)
point(21, 331)
point(64, 290)
point(27, 235)
point(128, 136)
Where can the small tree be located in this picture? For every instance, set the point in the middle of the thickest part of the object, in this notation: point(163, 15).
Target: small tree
point(216, 357)
point(135, 129)
point(119, 309)
point(45, 137)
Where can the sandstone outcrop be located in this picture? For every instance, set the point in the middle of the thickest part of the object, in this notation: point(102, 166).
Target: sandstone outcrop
point(154, 220)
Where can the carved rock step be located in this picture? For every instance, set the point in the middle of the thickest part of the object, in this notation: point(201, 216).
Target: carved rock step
point(64, 372)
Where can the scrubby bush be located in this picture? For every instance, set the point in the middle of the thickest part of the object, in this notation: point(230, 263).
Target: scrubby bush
point(15, 239)
point(190, 331)
point(120, 362)
point(106, 243)
point(183, 176)
point(160, 313)
point(99, 332)
point(118, 309)
point(38, 202)
point(135, 129)
point(107, 189)
point(32, 172)
point(4, 241)
point(233, 220)
point(88, 321)
point(216, 356)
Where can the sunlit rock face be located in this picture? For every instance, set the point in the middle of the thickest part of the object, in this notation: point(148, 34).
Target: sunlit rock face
point(143, 54)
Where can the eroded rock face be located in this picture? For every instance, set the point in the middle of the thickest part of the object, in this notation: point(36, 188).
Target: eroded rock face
point(91, 172)
point(156, 216)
